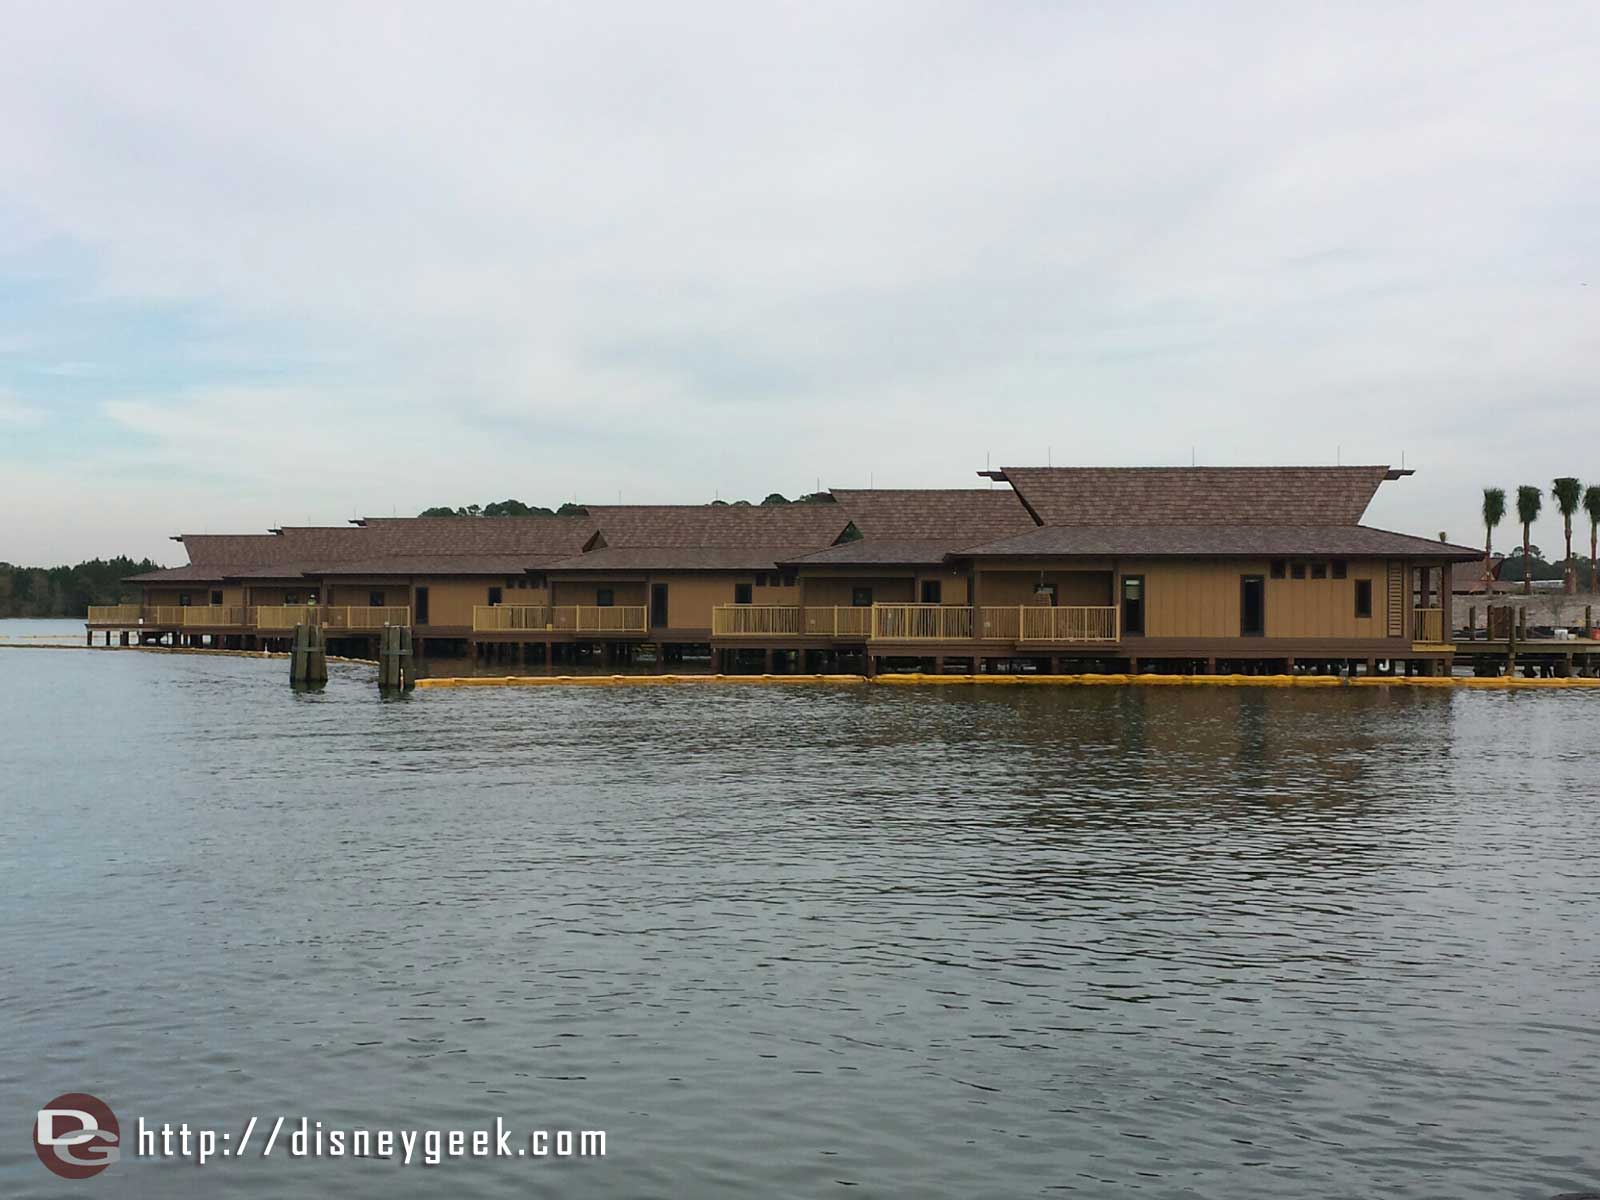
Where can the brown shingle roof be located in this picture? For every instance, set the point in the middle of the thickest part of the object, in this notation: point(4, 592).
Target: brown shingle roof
point(534, 537)
point(883, 552)
point(1196, 495)
point(960, 515)
point(679, 558)
point(1218, 541)
point(786, 528)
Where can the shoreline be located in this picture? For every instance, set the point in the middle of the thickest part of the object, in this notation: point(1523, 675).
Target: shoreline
point(907, 679)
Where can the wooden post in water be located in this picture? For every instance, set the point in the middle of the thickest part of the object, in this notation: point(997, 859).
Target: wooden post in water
point(394, 657)
point(308, 660)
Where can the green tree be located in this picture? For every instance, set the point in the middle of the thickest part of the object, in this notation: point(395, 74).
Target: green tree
point(1591, 505)
point(1529, 501)
point(773, 499)
point(1568, 494)
point(1494, 511)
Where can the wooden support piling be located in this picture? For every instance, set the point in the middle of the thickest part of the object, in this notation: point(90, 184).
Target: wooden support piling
point(308, 660)
point(394, 657)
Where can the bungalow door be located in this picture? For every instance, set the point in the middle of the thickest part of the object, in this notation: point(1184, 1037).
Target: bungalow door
point(1252, 606)
point(658, 606)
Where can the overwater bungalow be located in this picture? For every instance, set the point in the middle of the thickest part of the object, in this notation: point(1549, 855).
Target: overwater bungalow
point(1196, 569)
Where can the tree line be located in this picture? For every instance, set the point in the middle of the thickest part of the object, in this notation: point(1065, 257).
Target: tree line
point(1569, 495)
point(67, 591)
point(516, 508)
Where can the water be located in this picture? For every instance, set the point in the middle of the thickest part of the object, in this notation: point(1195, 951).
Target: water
point(950, 942)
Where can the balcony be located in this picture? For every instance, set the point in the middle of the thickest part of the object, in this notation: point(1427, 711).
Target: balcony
point(115, 614)
point(1068, 624)
point(751, 620)
point(495, 618)
point(787, 620)
point(921, 623)
point(854, 623)
point(1427, 625)
point(328, 616)
point(560, 618)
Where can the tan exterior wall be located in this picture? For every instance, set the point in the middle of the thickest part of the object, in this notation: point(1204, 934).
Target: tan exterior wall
point(835, 592)
point(583, 592)
point(690, 598)
point(1201, 599)
point(1079, 586)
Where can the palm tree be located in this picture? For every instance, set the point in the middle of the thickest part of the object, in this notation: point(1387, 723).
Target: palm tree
point(1591, 505)
point(1567, 492)
point(1529, 501)
point(1494, 508)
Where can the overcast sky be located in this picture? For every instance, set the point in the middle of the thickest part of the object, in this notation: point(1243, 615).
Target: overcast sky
point(289, 263)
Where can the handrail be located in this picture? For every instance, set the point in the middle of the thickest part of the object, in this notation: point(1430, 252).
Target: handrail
point(487, 618)
point(854, 621)
point(755, 620)
point(337, 616)
point(358, 616)
point(921, 622)
point(591, 618)
point(1068, 623)
point(1427, 625)
point(114, 614)
point(214, 614)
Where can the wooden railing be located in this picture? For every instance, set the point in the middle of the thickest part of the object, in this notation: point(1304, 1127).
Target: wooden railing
point(215, 614)
point(921, 622)
point(586, 618)
point(365, 616)
point(337, 616)
point(1427, 625)
point(839, 622)
point(164, 614)
point(114, 614)
point(753, 620)
point(487, 618)
point(284, 616)
point(1068, 624)
point(1000, 624)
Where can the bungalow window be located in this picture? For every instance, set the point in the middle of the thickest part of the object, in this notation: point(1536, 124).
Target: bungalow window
point(1297, 571)
point(523, 582)
point(495, 596)
point(216, 598)
point(605, 597)
point(1363, 597)
point(791, 578)
point(1279, 568)
point(1340, 568)
point(536, 581)
point(761, 580)
point(183, 599)
point(931, 591)
point(288, 598)
point(861, 597)
point(743, 593)
point(1319, 570)
point(374, 599)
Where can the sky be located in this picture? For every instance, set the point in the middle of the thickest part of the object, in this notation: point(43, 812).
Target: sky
point(292, 263)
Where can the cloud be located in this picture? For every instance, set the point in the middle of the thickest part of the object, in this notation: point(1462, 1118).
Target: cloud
point(403, 255)
point(14, 412)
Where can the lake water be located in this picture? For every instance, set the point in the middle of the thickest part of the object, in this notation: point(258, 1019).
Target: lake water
point(1163, 942)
